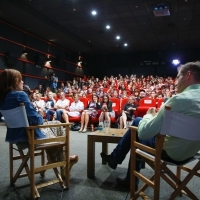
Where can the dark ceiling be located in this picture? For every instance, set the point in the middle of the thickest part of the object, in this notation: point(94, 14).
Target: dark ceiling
point(69, 23)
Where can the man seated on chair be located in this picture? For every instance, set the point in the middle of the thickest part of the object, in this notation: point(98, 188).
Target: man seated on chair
point(59, 108)
point(61, 105)
point(49, 105)
point(176, 150)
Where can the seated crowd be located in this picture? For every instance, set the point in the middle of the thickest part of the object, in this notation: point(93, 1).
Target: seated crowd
point(66, 102)
point(90, 99)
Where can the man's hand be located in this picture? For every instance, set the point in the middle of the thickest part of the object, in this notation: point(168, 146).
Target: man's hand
point(152, 111)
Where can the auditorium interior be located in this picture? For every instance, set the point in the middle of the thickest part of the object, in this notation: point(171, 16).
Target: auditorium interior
point(118, 48)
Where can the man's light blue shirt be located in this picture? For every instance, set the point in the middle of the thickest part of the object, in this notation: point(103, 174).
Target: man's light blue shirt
point(188, 103)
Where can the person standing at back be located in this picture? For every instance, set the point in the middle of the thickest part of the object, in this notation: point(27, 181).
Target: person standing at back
point(53, 82)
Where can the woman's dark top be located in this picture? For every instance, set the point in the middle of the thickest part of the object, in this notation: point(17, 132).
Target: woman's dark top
point(109, 106)
point(130, 112)
point(96, 106)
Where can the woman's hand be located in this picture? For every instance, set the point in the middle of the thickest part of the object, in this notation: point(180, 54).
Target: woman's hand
point(131, 108)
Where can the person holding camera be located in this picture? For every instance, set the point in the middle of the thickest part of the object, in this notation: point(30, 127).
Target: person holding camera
point(53, 82)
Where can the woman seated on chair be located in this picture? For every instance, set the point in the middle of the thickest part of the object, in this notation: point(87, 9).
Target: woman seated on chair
point(127, 112)
point(91, 111)
point(107, 111)
point(11, 95)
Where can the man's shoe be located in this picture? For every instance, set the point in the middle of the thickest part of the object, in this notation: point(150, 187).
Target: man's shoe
point(112, 164)
point(125, 183)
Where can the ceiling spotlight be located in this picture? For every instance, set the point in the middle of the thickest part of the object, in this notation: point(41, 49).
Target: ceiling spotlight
point(175, 62)
point(118, 37)
point(108, 27)
point(94, 12)
point(125, 44)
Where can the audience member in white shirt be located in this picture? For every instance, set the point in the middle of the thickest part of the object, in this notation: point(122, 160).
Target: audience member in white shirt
point(39, 104)
point(61, 105)
point(75, 109)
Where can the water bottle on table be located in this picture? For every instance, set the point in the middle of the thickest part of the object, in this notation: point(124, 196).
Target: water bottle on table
point(106, 126)
point(101, 126)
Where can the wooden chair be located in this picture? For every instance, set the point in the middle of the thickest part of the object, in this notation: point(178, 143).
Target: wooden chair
point(176, 125)
point(37, 148)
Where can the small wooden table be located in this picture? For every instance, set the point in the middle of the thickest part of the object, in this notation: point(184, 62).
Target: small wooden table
point(113, 136)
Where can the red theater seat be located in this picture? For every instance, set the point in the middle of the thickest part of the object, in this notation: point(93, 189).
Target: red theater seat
point(144, 105)
point(123, 103)
point(70, 99)
point(116, 108)
point(160, 102)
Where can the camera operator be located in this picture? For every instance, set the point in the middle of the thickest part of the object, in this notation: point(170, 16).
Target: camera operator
point(53, 82)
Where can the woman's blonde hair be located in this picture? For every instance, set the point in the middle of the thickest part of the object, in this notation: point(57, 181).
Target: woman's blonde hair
point(9, 80)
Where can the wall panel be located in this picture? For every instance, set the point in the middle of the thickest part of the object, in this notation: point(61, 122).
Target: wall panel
point(14, 41)
point(37, 44)
point(13, 34)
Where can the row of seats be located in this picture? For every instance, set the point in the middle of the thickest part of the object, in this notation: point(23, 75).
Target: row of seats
point(117, 106)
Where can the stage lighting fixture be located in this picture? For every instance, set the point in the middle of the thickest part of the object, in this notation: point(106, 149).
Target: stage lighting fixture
point(175, 62)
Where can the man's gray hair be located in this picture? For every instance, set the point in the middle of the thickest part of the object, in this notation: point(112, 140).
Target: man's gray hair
point(194, 67)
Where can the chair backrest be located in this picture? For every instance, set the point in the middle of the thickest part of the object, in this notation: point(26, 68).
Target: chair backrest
point(160, 102)
point(85, 101)
point(89, 97)
point(16, 117)
point(123, 103)
point(147, 102)
point(105, 90)
point(115, 104)
point(180, 125)
point(70, 99)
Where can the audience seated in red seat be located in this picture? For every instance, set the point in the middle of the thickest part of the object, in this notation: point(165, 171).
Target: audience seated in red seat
point(90, 112)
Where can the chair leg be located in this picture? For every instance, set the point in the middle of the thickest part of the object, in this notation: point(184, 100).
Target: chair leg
point(157, 181)
point(178, 174)
point(51, 158)
point(42, 174)
point(11, 163)
point(32, 174)
point(22, 166)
